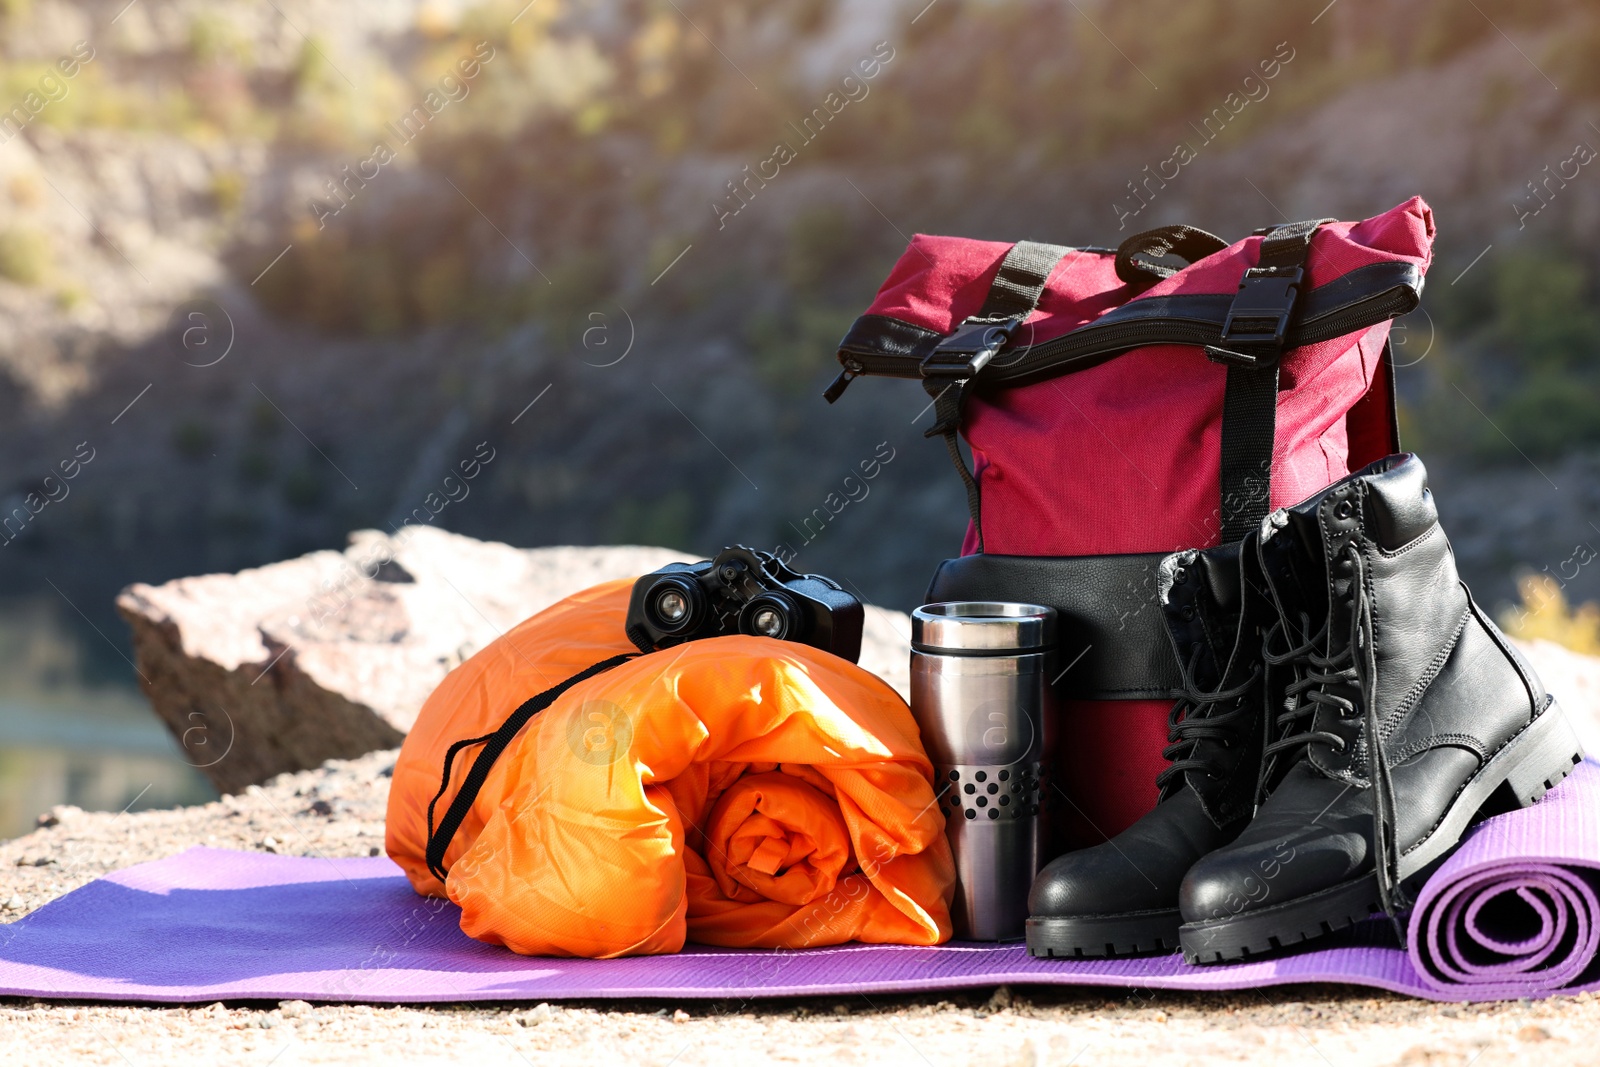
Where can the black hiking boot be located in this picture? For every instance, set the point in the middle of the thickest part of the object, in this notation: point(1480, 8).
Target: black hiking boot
point(1121, 896)
point(1408, 715)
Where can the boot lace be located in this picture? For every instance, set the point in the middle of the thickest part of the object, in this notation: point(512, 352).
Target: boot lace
point(1306, 693)
point(1354, 667)
point(1192, 720)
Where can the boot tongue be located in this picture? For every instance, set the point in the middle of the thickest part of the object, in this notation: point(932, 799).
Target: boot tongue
point(1220, 569)
point(1203, 618)
point(1297, 568)
point(1313, 585)
point(1220, 608)
point(1205, 613)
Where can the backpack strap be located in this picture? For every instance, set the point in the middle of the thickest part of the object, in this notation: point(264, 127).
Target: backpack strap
point(1186, 241)
point(950, 368)
point(1252, 342)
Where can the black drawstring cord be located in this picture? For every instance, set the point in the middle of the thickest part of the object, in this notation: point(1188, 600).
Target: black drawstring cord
point(494, 743)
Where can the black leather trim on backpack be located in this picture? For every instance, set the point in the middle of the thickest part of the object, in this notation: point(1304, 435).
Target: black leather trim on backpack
point(1113, 638)
point(889, 347)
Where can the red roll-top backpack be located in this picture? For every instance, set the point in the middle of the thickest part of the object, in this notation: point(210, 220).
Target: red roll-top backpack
point(1118, 410)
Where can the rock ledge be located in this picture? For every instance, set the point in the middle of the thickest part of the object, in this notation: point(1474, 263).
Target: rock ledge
point(331, 655)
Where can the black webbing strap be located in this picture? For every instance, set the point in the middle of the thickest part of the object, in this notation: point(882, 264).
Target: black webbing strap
point(956, 361)
point(1391, 394)
point(494, 744)
point(1251, 344)
point(1249, 427)
point(1185, 241)
point(1020, 281)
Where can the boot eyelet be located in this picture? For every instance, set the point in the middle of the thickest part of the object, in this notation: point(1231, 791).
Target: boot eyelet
point(1180, 576)
point(1187, 613)
point(1343, 510)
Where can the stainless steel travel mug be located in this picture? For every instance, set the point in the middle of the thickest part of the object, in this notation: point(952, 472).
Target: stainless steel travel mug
point(980, 692)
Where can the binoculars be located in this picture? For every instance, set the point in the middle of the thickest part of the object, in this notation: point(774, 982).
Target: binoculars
point(743, 591)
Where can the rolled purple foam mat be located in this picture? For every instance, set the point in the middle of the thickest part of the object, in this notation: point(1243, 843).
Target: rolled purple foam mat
point(1516, 910)
point(1514, 913)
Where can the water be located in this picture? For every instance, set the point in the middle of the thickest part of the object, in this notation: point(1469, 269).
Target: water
point(70, 735)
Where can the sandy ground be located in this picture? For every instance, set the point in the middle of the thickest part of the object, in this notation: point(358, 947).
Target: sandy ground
point(338, 811)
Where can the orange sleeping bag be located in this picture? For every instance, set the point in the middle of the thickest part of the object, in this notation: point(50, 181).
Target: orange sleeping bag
point(733, 791)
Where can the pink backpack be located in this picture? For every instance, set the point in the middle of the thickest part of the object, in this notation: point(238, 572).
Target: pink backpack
point(1118, 410)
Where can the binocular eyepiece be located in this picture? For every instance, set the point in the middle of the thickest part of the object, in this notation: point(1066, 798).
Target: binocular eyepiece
point(743, 591)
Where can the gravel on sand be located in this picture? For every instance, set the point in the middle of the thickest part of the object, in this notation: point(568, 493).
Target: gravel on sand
point(337, 810)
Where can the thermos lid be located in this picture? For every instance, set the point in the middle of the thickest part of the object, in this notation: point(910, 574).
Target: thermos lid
point(981, 626)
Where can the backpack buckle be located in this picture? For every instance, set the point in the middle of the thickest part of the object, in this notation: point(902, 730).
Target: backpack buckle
point(969, 349)
point(1259, 316)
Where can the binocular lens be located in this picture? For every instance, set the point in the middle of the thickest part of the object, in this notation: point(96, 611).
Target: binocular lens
point(675, 605)
point(672, 605)
point(773, 614)
point(767, 622)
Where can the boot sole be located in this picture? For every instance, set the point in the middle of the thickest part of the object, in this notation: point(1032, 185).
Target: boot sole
point(1518, 776)
point(1099, 936)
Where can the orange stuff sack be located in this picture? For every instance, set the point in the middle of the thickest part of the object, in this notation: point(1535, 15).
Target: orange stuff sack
point(733, 791)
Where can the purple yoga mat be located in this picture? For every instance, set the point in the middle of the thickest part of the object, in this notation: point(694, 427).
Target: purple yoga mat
point(1513, 913)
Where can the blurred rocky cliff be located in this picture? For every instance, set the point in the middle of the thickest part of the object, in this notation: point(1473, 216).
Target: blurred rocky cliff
point(542, 274)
